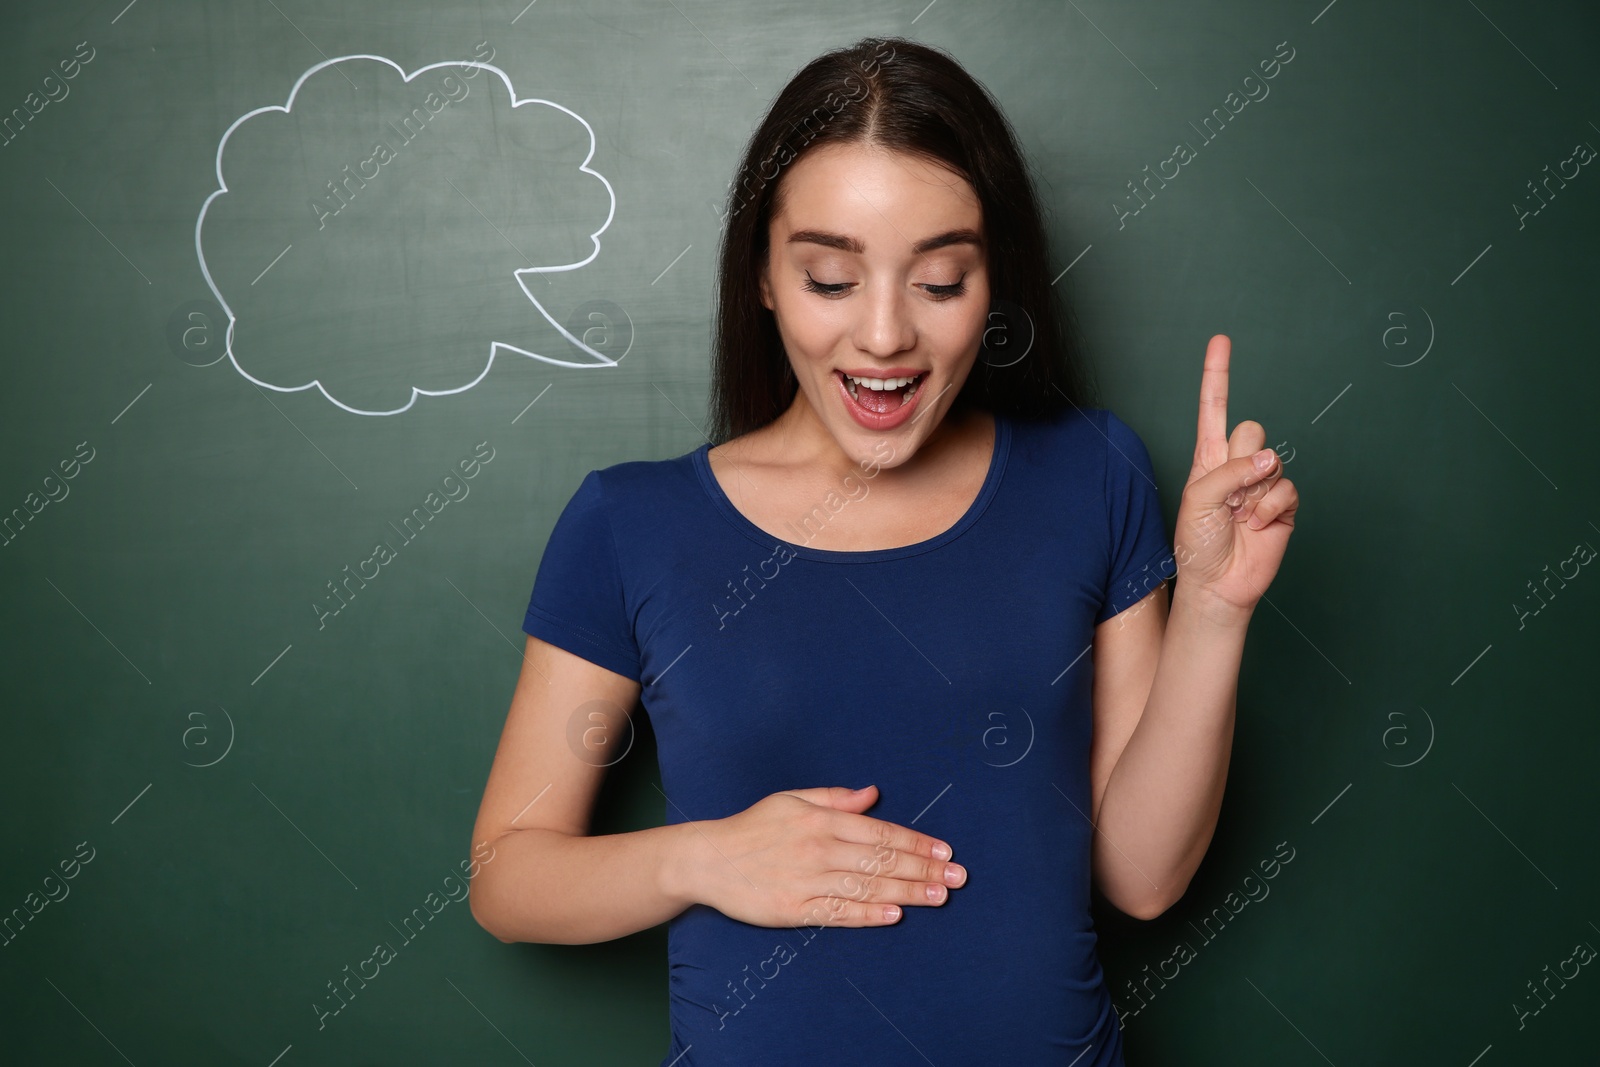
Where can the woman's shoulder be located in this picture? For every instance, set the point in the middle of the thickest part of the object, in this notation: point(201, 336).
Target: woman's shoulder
point(1071, 428)
point(1081, 450)
point(643, 486)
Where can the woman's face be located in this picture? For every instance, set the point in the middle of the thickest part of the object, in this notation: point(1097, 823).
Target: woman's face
point(877, 270)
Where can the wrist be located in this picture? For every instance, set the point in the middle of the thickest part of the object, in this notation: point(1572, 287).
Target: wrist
point(677, 873)
point(1208, 608)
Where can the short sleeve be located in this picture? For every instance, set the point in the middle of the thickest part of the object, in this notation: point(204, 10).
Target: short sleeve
point(578, 602)
point(1141, 556)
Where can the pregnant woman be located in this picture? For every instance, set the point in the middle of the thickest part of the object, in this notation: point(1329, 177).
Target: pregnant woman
point(901, 626)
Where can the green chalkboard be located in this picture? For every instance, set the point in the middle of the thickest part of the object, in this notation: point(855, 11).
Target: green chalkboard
point(287, 282)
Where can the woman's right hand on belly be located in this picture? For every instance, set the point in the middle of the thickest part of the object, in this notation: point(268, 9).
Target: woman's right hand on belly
point(808, 857)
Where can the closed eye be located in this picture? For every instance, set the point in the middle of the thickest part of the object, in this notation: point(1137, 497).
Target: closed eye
point(824, 288)
point(836, 289)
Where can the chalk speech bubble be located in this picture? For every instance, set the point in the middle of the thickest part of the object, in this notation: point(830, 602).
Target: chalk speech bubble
point(363, 234)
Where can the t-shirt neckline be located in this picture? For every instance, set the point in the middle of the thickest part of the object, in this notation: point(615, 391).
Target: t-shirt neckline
point(991, 483)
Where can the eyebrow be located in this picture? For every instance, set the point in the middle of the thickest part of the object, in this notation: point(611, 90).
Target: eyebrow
point(851, 244)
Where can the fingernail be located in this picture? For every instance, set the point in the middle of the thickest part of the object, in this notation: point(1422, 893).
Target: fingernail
point(941, 851)
point(1264, 460)
point(1235, 498)
point(955, 874)
point(863, 789)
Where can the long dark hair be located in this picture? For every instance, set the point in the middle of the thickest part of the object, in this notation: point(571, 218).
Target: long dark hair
point(897, 94)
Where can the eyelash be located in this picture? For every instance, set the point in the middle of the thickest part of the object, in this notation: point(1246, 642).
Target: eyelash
point(938, 292)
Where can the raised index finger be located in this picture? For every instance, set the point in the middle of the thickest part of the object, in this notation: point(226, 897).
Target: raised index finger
point(1211, 436)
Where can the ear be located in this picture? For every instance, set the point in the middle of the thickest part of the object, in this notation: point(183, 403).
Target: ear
point(766, 284)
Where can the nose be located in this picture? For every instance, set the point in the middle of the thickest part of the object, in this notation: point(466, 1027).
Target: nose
point(885, 326)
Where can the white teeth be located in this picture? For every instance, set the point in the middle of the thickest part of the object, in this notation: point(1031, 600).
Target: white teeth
point(878, 384)
point(881, 384)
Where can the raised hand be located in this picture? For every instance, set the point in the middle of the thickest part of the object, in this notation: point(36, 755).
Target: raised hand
point(807, 857)
point(1235, 519)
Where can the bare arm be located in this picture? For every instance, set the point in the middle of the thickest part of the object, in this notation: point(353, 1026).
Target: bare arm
point(564, 889)
point(1171, 685)
point(796, 857)
point(1165, 694)
point(546, 879)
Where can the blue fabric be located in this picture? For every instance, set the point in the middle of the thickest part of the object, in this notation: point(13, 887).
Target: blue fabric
point(954, 674)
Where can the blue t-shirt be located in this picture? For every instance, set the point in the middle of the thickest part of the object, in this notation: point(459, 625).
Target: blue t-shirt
point(953, 673)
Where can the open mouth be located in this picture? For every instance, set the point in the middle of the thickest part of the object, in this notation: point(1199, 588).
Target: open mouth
point(879, 395)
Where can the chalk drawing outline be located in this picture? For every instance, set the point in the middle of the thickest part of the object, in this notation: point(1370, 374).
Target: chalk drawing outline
point(494, 346)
